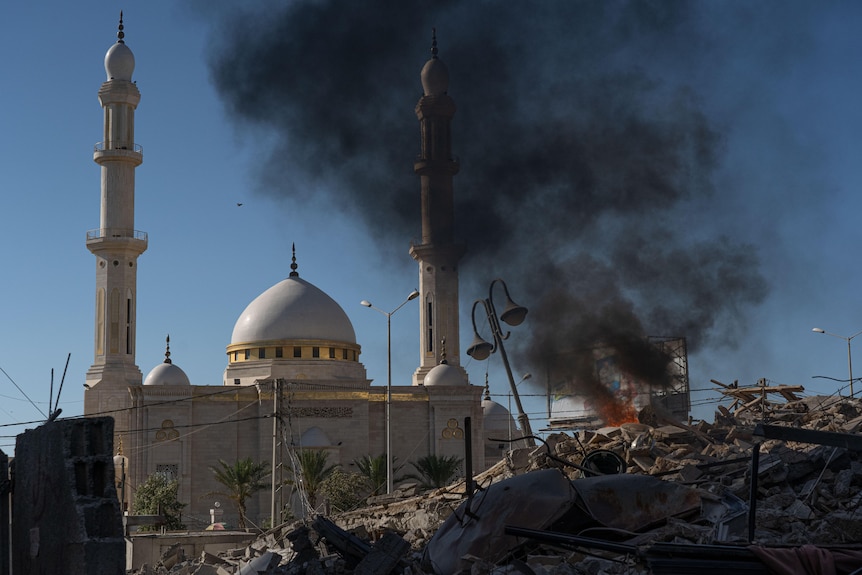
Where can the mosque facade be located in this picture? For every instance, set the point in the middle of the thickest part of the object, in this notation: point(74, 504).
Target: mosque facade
point(293, 378)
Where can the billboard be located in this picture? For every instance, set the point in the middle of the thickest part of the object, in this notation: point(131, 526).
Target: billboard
point(609, 395)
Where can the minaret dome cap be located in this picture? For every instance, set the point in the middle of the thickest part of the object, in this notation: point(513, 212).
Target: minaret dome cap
point(119, 60)
point(435, 77)
point(435, 74)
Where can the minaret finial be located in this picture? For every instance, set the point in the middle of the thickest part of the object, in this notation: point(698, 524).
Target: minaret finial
point(293, 266)
point(168, 349)
point(433, 43)
point(120, 33)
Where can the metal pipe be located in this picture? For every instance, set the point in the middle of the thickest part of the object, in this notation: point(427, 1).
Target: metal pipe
point(275, 394)
point(468, 458)
point(752, 496)
point(523, 420)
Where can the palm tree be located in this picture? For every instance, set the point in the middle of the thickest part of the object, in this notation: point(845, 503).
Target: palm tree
point(313, 470)
point(436, 470)
point(242, 480)
point(373, 470)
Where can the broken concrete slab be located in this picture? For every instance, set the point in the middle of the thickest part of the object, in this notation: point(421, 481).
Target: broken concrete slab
point(261, 565)
point(633, 502)
point(384, 556)
point(534, 499)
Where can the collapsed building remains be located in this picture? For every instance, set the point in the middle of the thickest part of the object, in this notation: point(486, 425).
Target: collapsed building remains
point(767, 488)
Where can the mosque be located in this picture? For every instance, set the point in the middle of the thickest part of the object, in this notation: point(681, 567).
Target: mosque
point(293, 377)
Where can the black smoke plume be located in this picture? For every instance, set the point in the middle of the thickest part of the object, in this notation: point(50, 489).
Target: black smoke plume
point(582, 159)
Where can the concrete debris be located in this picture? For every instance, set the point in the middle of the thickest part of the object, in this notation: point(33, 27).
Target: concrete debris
point(655, 496)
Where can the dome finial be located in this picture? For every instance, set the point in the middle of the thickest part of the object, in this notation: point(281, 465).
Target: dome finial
point(120, 33)
point(293, 266)
point(168, 349)
point(434, 75)
point(443, 360)
point(487, 388)
point(120, 445)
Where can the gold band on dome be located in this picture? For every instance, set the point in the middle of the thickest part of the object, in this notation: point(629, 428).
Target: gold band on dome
point(293, 349)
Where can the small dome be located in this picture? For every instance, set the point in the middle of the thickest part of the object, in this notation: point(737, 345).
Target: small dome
point(167, 374)
point(119, 62)
point(435, 77)
point(444, 374)
point(496, 417)
point(293, 309)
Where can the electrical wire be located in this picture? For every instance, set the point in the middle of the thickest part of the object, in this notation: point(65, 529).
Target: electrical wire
point(22, 392)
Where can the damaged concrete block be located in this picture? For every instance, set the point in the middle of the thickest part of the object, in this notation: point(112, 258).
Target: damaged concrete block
point(384, 555)
point(207, 569)
point(609, 432)
point(690, 473)
point(173, 555)
point(645, 463)
point(261, 565)
point(519, 458)
point(799, 510)
point(65, 512)
point(842, 483)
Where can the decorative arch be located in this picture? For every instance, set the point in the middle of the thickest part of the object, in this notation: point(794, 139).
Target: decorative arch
point(315, 438)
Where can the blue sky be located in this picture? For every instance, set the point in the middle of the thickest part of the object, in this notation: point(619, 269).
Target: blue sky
point(775, 84)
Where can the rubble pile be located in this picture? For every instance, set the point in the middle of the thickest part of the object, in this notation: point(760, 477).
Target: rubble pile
point(656, 496)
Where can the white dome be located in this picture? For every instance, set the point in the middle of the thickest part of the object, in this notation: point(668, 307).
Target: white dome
point(496, 417)
point(293, 309)
point(119, 62)
point(167, 374)
point(445, 374)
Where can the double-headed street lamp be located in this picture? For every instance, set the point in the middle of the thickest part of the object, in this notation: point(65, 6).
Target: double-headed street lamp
point(413, 295)
point(849, 356)
point(480, 349)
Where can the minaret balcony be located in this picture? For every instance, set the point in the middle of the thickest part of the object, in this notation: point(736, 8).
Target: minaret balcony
point(430, 166)
point(118, 151)
point(118, 237)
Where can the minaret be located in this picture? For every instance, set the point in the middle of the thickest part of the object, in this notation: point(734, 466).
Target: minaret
point(438, 254)
point(116, 244)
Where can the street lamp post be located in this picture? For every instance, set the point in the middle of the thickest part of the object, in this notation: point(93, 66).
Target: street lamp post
point(120, 462)
point(413, 295)
point(524, 378)
point(480, 349)
point(849, 356)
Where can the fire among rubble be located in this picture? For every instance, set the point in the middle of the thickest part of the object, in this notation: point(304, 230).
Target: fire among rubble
point(615, 412)
point(610, 384)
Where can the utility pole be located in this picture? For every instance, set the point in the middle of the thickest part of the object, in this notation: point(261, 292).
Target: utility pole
point(276, 452)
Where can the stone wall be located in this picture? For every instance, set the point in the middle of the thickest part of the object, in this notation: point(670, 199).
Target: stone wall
point(65, 512)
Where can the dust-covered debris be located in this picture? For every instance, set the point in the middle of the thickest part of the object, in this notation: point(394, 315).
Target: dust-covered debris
point(806, 494)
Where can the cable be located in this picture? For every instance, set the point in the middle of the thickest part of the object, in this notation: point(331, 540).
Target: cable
point(22, 393)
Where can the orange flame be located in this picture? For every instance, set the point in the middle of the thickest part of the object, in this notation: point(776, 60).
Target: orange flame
point(615, 412)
